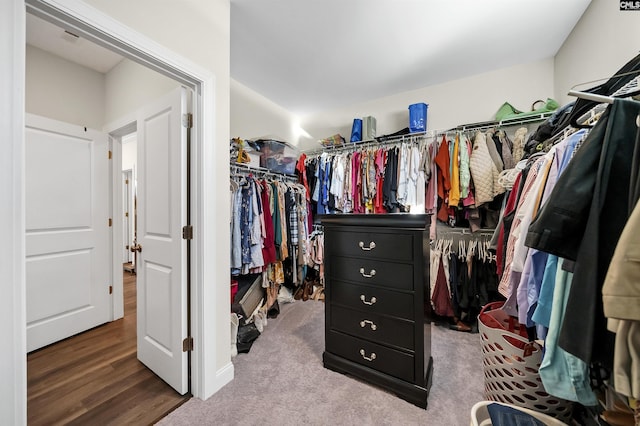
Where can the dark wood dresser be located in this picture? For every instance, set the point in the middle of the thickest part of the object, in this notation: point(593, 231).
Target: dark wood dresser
point(376, 299)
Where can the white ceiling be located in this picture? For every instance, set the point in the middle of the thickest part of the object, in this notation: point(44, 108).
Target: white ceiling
point(312, 55)
point(51, 38)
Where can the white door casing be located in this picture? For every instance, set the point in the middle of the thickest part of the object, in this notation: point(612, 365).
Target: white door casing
point(211, 364)
point(161, 263)
point(67, 230)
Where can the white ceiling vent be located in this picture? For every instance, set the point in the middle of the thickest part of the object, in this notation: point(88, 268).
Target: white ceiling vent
point(70, 37)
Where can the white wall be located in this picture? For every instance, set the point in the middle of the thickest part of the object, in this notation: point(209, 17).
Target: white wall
point(467, 100)
point(62, 90)
point(253, 116)
point(129, 86)
point(129, 152)
point(604, 40)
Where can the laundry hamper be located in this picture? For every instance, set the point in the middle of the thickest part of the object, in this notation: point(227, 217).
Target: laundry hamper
point(480, 415)
point(510, 364)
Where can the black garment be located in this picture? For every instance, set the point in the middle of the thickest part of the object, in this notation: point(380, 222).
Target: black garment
point(634, 184)
point(453, 285)
point(463, 290)
point(628, 72)
point(551, 126)
point(498, 143)
point(390, 183)
point(559, 226)
point(311, 180)
point(583, 219)
point(289, 205)
point(383, 138)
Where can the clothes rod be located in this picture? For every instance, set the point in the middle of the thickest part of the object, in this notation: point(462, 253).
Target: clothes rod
point(259, 171)
point(591, 97)
point(358, 145)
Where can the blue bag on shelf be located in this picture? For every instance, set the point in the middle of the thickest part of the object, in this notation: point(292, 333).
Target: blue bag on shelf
point(418, 117)
point(356, 130)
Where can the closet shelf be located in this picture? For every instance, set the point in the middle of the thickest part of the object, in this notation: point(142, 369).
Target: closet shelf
point(515, 121)
point(410, 137)
point(372, 142)
point(239, 168)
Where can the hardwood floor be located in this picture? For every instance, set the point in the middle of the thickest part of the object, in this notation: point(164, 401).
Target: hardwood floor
point(95, 378)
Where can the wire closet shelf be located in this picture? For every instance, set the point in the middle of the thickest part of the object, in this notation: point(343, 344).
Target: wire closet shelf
point(427, 135)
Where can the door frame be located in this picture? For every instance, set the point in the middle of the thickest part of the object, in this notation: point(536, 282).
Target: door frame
point(127, 175)
point(211, 362)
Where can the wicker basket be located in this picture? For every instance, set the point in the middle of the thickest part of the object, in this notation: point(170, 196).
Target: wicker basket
point(510, 363)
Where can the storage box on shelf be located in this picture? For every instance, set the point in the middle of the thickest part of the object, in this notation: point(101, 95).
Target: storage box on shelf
point(277, 156)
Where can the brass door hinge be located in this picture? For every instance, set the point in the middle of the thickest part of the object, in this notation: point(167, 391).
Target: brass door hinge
point(187, 344)
point(110, 154)
point(187, 120)
point(110, 222)
point(126, 181)
point(126, 214)
point(110, 289)
point(187, 232)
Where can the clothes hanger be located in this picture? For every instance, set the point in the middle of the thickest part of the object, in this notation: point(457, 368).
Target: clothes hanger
point(611, 87)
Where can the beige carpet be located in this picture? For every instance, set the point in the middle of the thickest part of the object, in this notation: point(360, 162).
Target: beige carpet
point(281, 381)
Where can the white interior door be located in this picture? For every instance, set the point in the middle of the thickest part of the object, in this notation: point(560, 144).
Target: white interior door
point(161, 263)
point(67, 230)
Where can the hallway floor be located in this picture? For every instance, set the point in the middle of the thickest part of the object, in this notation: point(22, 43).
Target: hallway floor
point(96, 378)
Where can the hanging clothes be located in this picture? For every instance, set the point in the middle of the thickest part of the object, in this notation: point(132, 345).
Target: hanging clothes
point(465, 173)
point(454, 194)
point(562, 374)
point(418, 164)
point(268, 248)
point(443, 161)
point(441, 298)
point(598, 176)
point(511, 278)
point(431, 196)
point(483, 171)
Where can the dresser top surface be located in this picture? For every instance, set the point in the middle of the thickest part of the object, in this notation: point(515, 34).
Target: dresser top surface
point(399, 220)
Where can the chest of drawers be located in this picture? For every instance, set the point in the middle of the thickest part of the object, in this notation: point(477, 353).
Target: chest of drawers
point(376, 297)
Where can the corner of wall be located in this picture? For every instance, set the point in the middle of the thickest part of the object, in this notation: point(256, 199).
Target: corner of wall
point(596, 47)
point(254, 116)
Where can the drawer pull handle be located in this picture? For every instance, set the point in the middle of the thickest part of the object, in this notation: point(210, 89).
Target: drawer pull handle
point(372, 245)
point(364, 300)
point(371, 358)
point(364, 323)
point(369, 275)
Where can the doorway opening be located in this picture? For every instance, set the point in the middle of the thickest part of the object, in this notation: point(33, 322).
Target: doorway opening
point(129, 279)
point(211, 366)
point(92, 377)
point(128, 213)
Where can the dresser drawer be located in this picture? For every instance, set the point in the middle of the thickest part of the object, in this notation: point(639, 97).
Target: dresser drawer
point(377, 357)
point(372, 272)
point(374, 245)
point(376, 300)
point(377, 328)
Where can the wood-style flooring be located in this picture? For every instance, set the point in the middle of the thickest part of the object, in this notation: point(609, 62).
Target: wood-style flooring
point(95, 377)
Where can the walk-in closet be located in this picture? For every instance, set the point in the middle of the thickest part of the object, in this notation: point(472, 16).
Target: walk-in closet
point(357, 212)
